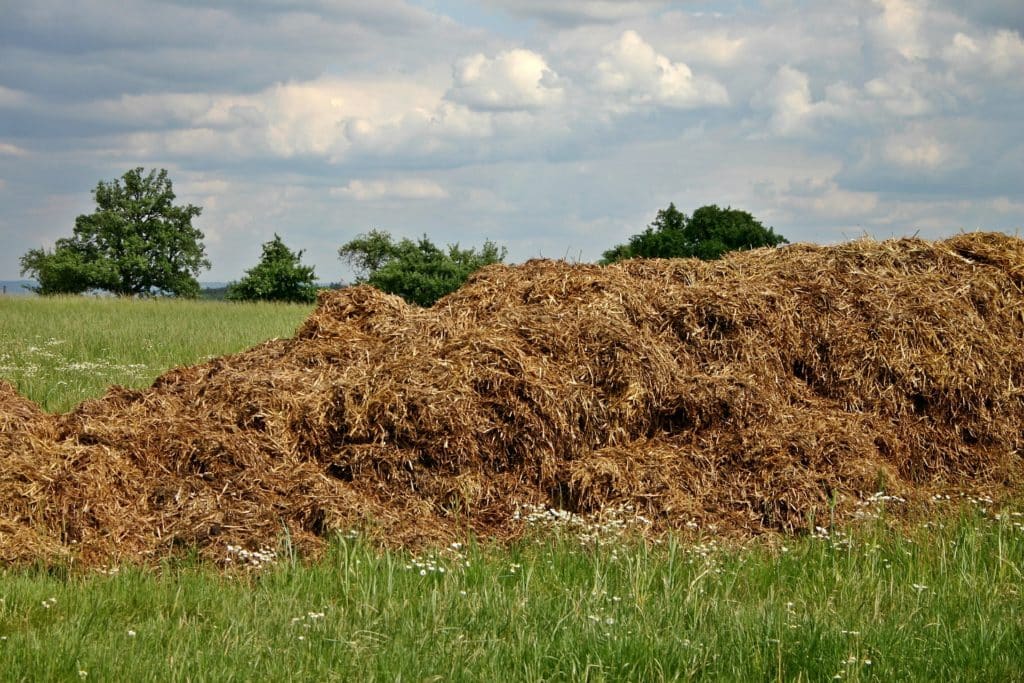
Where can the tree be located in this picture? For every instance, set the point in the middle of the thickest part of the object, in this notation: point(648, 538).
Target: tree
point(64, 271)
point(369, 252)
point(279, 276)
point(419, 272)
point(709, 234)
point(136, 242)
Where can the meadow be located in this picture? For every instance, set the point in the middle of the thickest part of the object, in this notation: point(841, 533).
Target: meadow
point(940, 600)
point(59, 351)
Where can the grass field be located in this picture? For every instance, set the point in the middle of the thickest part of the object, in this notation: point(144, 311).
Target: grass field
point(60, 351)
point(936, 602)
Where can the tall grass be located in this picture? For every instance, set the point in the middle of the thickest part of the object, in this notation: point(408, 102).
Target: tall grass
point(60, 351)
point(936, 602)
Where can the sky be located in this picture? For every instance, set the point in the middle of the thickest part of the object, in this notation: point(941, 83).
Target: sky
point(556, 128)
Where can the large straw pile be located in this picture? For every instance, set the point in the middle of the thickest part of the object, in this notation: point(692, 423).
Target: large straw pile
point(755, 393)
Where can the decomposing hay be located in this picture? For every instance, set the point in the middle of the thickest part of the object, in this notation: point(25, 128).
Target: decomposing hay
point(758, 392)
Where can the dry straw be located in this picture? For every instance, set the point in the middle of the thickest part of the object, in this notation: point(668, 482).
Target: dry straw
point(760, 392)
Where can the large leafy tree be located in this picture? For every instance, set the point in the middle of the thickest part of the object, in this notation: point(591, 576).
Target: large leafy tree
point(136, 242)
point(279, 276)
point(708, 234)
point(418, 271)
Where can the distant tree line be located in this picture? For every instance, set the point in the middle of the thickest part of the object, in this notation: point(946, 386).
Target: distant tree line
point(139, 243)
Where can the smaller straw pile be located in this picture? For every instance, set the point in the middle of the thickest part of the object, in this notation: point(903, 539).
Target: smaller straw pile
point(761, 392)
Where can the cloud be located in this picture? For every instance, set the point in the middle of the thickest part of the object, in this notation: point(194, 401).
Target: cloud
point(328, 118)
point(72, 51)
point(632, 69)
point(406, 188)
point(793, 111)
point(514, 79)
point(12, 98)
point(820, 196)
point(433, 133)
point(898, 28)
point(1005, 205)
point(343, 122)
point(715, 48)
point(898, 95)
point(1000, 54)
point(12, 150)
point(552, 126)
point(916, 153)
point(904, 93)
point(388, 14)
point(1008, 14)
point(149, 111)
point(576, 12)
point(789, 95)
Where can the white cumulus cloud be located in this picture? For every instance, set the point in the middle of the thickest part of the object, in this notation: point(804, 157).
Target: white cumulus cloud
point(917, 153)
point(633, 69)
point(514, 79)
point(794, 111)
point(898, 95)
point(1000, 54)
point(898, 27)
point(716, 48)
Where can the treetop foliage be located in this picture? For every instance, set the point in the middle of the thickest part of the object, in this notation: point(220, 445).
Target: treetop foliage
point(710, 233)
point(136, 242)
point(279, 276)
point(418, 271)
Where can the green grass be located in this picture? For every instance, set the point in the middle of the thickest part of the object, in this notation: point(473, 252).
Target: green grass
point(60, 351)
point(937, 602)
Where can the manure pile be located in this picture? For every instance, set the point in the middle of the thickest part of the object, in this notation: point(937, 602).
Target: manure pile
point(753, 393)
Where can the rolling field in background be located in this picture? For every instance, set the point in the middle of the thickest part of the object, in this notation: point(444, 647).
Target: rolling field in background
point(60, 351)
